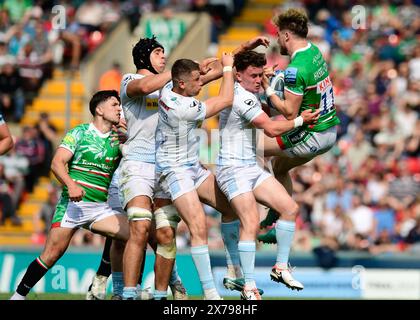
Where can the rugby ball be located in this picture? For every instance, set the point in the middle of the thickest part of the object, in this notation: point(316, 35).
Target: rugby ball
point(277, 84)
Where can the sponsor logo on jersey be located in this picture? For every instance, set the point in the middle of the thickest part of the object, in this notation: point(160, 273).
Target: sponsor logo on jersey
point(297, 136)
point(290, 75)
point(324, 84)
point(151, 103)
point(163, 105)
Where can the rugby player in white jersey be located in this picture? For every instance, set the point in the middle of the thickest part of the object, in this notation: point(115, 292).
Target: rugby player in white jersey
point(97, 290)
point(139, 96)
point(177, 162)
point(239, 176)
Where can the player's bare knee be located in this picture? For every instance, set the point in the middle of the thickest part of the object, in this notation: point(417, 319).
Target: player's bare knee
point(198, 230)
point(251, 229)
point(165, 236)
point(291, 214)
point(52, 255)
point(139, 233)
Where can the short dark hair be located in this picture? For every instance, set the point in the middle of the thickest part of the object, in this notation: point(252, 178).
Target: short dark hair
point(183, 67)
point(244, 59)
point(294, 20)
point(102, 96)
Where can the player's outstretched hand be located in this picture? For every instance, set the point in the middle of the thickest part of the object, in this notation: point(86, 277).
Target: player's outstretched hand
point(310, 117)
point(256, 42)
point(269, 71)
point(227, 59)
point(265, 82)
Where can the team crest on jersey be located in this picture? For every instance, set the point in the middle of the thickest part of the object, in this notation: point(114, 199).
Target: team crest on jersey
point(111, 159)
point(69, 140)
point(128, 79)
point(151, 103)
point(249, 102)
point(290, 75)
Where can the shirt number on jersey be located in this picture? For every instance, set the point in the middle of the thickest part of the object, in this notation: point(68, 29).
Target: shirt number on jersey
point(325, 89)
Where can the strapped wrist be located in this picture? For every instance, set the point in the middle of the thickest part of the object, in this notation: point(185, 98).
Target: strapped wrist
point(227, 69)
point(269, 92)
point(298, 121)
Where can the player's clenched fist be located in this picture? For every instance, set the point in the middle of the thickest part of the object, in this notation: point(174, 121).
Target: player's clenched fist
point(227, 59)
point(76, 193)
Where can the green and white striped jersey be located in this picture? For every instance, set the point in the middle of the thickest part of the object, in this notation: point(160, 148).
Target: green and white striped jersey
point(95, 159)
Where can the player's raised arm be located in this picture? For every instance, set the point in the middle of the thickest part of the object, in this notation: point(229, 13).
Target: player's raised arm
point(225, 97)
point(252, 44)
point(148, 84)
point(211, 69)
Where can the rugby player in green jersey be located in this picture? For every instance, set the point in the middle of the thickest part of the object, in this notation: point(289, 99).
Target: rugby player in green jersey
point(92, 155)
point(307, 85)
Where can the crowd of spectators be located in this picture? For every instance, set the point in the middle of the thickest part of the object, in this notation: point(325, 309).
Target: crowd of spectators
point(37, 36)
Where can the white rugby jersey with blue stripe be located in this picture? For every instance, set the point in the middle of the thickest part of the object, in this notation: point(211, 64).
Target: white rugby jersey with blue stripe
point(237, 134)
point(141, 115)
point(177, 143)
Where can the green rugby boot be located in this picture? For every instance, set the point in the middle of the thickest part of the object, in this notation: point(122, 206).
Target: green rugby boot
point(268, 237)
point(271, 217)
point(237, 284)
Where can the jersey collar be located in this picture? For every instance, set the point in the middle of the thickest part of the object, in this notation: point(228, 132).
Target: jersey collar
point(300, 50)
point(100, 134)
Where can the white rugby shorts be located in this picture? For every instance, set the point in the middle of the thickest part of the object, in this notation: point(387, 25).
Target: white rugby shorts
point(180, 180)
point(236, 180)
point(69, 214)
